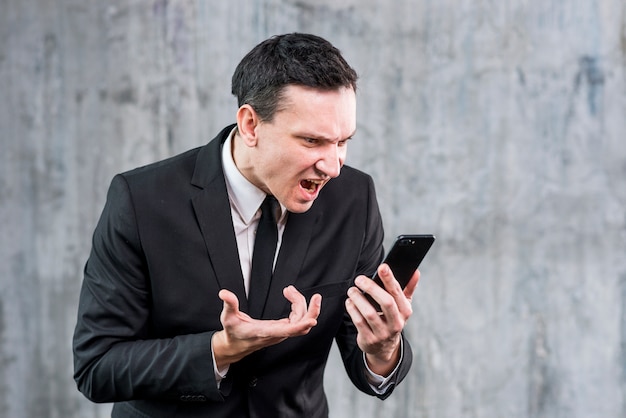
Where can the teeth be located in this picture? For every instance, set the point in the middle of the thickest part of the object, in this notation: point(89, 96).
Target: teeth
point(311, 185)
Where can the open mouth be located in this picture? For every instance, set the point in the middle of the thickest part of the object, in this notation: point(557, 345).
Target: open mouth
point(311, 185)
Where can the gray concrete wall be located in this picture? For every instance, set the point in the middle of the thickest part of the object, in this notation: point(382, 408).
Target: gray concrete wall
point(499, 126)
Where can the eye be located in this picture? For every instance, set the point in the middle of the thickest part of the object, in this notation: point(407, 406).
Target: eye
point(311, 141)
point(344, 142)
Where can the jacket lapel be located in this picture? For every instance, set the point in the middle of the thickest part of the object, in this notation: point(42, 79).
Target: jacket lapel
point(212, 209)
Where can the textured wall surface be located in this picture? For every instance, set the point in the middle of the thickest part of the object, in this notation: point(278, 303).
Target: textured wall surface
point(499, 126)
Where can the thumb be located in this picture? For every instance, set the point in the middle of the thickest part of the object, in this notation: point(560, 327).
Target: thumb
point(231, 303)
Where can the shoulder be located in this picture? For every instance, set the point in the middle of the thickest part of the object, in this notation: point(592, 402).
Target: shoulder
point(181, 162)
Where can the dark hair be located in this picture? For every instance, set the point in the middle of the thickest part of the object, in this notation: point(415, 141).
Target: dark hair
point(292, 59)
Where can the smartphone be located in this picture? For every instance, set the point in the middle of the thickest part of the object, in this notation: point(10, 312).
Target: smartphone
point(404, 258)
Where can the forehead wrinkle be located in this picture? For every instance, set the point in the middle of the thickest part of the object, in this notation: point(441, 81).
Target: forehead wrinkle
point(311, 110)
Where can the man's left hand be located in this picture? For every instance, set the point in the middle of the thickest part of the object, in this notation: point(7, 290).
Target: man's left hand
point(379, 331)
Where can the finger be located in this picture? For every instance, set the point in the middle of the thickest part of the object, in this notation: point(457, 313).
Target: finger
point(404, 299)
point(355, 314)
point(365, 334)
point(379, 294)
point(315, 308)
point(412, 285)
point(401, 297)
point(368, 286)
point(389, 281)
point(366, 311)
point(298, 302)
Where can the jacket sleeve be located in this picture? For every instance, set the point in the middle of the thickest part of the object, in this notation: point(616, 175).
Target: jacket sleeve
point(115, 358)
point(372, 254)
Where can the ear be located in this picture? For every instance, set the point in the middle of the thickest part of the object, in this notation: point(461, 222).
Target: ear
point(247, 123)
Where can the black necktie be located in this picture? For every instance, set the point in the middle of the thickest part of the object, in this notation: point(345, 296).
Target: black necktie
point(263, 257)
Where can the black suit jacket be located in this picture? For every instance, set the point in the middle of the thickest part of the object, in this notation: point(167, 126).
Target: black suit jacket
point(164, 247)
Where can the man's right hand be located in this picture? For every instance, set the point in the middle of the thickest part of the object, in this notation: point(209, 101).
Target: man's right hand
point(243, 335)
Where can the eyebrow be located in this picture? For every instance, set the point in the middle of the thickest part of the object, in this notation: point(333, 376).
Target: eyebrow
point(323, 138)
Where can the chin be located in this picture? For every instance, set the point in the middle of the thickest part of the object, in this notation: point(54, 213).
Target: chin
point(300, 207)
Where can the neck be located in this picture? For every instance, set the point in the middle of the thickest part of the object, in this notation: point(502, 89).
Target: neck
point(242, 159)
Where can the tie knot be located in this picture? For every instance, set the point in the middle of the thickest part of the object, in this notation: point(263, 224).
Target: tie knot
point(269, 209)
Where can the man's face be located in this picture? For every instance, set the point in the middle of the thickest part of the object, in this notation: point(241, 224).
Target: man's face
point(304, 146)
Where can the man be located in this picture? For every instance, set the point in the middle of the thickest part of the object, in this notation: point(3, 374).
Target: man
point(167, 326)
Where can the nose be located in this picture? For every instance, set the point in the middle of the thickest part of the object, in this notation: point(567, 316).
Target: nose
point(331, 160)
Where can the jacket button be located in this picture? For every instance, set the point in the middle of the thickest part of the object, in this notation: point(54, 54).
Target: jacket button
point(253, 381)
